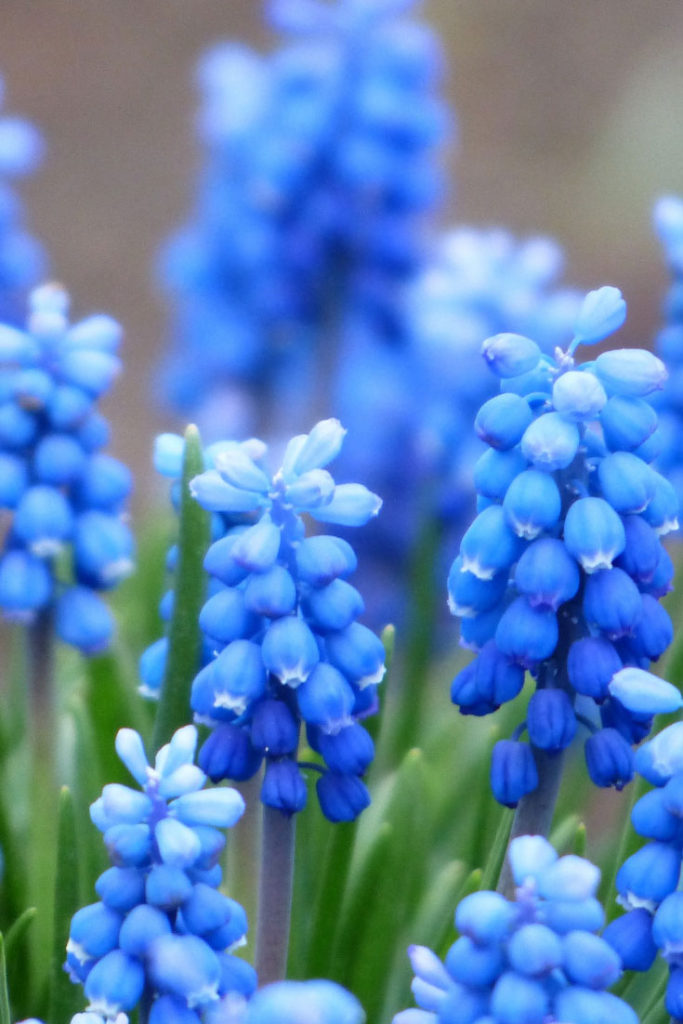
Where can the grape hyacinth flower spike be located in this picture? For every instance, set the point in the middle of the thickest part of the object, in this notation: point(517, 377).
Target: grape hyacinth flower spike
point(561, 571)
point(531, 958)
point(648, 881)
point(162, 933)
point(62, 498)
point(282, 622)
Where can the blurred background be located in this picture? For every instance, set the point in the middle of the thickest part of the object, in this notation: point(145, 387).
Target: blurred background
point(569, 124)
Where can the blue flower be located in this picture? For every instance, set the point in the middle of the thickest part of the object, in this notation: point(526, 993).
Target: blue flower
point(282, 641)
point(162, 926)
point(61, 493)
point(562, 568)
point(531, 958)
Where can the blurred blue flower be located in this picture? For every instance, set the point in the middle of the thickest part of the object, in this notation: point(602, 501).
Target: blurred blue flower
point(559, 573)
point(66, 537)
point(22, 260)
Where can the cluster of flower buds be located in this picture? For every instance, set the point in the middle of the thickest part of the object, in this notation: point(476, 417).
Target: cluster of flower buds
point(60, 495)
point(162, 931)
point(320, 166)
point(536, 957)
point(647, 882)
point(22, 262)
point(561, 571)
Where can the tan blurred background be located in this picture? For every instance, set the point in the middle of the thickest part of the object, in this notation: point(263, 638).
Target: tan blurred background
point(570, 114)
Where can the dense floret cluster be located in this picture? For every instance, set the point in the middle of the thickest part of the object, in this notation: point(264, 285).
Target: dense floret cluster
point(162, 931)
point(647, 882)
point(561, 571)
point(282, 641)
point(22, 261)
point(534, 958)
point(319, 168)
point(65, 534)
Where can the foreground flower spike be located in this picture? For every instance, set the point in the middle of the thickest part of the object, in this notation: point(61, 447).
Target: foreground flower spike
point(561, 571)
point(66, 538)
point(22, 261)
point(162, 932)
point(281, 625)
point(647, 882)
point(536, 957)
point(668, 222)
point(320, 166)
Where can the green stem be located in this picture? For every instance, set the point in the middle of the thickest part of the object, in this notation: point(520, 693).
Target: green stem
point(275, 895)
point(534, 814)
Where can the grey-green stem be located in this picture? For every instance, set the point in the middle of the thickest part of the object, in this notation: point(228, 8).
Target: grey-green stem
point(275, 895)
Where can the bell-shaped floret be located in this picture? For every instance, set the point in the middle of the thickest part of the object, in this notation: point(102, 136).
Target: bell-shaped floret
point(167, 886)
point(342, 797)
point(513, 772)
point(593, 533)
point(94, 932)
point(121, 888)
point(547, 574)
point(633, 372)
point(612, 602)
point(602, 312)
point(321, 559)
point(225, 617)
point(516, 998)
point(274, 729)
point(13, 479)
point(508, 355)
point(349, 751)
point(653, 633)
point(257, 547)
point(25, 585)
point(662, 510)
point(469, 595)
point(648, 875)
point(58, 459)
point(653, 817)
point(214, 493)
point(609, 758)
point(591, 664)
point(532, 503)
point(226, 686)
point(502, 420)
point(627, 423)
point(631, 937)
point(578, 396)
point(334, 606)
point(326, 699)
point(141, 927)
point(358, 653)
point(103, 549)
point(641, 556)
point(526, 634)
point(350, 505)
point(83, 620)
point(495, 470)
point(115, 984)
point(583, 1004)
point(489, 545)
point(486, 918)
point(551, 722)
point(472, 964)
point(535, 950)
point(43, 520)
point(529, 856)
point(550, 442)
point(186, 967)
point(289, 650)
point(307, 1002)
point(667, 930)
point(643, 693)
point(590, 961)
point(283, 787)
point(627, 483)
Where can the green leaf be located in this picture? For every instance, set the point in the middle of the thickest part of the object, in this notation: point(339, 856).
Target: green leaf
point(16, 932)
point(494, 862)
point(65, 999)
point(184, 642)
point(565, 834)
point(5, 1015)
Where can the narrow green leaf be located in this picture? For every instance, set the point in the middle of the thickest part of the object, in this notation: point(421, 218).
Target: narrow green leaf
point(494, 862)
point(17, 931)
point(564, 835)
point(112, 704)
point(64, 998)
point(472, 883)
point(5, 1015)
point(184, 642)
point(327, 907)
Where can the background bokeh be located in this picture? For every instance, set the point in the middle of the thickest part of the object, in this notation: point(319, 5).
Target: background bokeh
point(569, 124)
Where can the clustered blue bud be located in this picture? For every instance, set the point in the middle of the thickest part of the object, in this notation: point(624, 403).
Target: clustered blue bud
point(65, 534)
point(22, 260)
point(533, 958)
point(319, 167)
point(162, 931)
point(282, 644)
point(668, 222)
point(561, 571)
point(647, 882)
